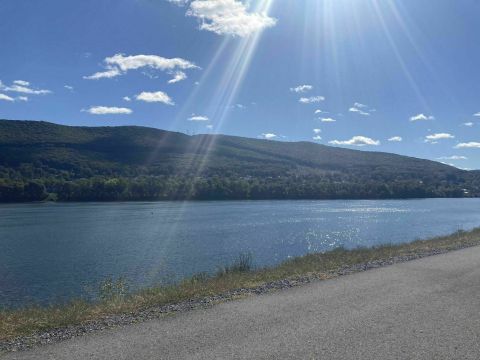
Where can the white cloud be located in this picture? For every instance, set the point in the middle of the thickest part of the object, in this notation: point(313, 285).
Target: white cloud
point(107, 74)
point(228, 17)
point(120, 64)
point(6, 97)
point(311, 100)
point(301, 88)
point(127, 98)
point(433, 139)
point(318, 111)
point(68, 87)
point(317, 131)
point(477, 114)
point(471, 144)
point(179, 2)
point(359, 111)
point(422, 117)
point(237, 107)
point(360, 106)
point(468, 124)
point(21, 86)
point(158, 96)
point(440, 136)
point(269, 136)
point(209, 126)
point(454, 157)
point(396, 139)
point(327, 120)
point(21, 83)
point(198, 118)
point(105, 110)
point(177, 76)
point(317, 138)
point(356, 141)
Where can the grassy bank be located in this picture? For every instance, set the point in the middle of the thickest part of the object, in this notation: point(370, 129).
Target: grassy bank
point(115, 299)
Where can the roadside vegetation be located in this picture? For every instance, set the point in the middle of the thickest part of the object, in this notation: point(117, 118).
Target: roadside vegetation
point(114, 297)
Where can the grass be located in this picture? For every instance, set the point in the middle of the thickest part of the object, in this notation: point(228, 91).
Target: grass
point(243, 264)
point(115, 298)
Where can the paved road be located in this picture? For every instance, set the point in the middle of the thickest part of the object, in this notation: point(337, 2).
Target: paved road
point(424, 309)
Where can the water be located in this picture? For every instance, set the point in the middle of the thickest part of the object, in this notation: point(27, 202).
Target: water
point(52, 252)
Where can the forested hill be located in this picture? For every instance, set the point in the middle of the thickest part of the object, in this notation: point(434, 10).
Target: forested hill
point(41, 160)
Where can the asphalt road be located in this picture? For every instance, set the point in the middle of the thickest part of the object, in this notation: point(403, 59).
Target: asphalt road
point(423, 309)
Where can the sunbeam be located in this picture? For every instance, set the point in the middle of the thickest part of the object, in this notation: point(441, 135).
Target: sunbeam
point(400, 59)
point(219, 107)
point(228, 87)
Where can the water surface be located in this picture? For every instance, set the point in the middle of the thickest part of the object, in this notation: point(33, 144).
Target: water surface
point(52, 252)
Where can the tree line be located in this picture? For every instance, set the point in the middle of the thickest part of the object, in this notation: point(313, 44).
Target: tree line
point(101, 188)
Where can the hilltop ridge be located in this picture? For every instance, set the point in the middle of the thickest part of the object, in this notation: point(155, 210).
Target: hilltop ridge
point(38, 159)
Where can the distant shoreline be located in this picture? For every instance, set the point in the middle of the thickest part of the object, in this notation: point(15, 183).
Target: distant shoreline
point(223, 200)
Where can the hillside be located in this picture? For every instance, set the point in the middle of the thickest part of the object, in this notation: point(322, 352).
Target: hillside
point(40, 159)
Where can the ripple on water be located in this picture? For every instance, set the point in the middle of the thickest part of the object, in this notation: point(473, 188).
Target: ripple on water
point(55, 251)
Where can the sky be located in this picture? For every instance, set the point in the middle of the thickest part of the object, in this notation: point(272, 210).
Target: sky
point(377, 75)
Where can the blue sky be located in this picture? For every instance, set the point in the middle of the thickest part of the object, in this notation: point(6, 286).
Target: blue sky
point(381, 75)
